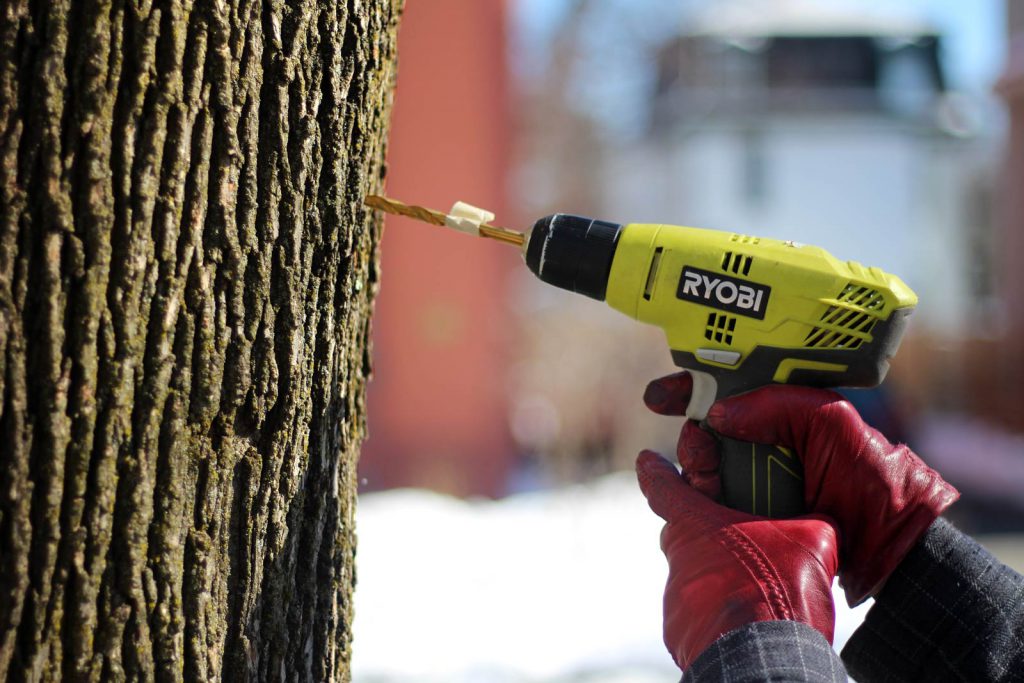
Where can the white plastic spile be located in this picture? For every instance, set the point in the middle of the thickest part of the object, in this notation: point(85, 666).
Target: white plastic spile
point(467, 218)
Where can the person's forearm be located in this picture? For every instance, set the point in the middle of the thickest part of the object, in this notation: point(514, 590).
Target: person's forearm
point(950, 611)
point(784, 651)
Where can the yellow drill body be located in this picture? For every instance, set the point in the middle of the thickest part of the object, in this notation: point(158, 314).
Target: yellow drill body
point(750, 311)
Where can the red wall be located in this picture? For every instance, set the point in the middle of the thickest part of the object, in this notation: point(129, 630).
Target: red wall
point(437, 404)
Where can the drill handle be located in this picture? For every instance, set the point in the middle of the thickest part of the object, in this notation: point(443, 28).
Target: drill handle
point(760, 479)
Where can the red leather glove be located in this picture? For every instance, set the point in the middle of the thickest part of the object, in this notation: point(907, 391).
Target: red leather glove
point(882, 496)
point(728, 569)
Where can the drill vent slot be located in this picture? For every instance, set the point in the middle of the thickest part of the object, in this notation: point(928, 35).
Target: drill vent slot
point(736, 263)
point(745, 239)
point(652, 274)
point(720, 328)
point(849, 324)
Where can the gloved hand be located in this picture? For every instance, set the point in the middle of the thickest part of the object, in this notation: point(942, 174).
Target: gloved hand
point(882, 496)
point(728, 569)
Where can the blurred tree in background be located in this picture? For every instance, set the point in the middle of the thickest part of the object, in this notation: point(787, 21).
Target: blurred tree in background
point(186, 273)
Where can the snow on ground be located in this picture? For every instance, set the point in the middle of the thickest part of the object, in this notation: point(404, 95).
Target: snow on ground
point(560, 585)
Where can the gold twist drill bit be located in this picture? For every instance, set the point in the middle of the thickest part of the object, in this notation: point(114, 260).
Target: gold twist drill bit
point(426, 215)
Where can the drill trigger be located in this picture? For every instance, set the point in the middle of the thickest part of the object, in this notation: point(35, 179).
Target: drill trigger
point(705, 390)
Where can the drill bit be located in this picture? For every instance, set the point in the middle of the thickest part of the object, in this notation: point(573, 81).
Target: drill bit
point(426, 215)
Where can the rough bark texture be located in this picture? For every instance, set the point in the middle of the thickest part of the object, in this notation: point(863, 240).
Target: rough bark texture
point(185, 281)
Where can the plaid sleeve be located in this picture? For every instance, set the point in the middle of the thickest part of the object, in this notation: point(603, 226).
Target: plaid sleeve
point(784, 651)
point(949, 612)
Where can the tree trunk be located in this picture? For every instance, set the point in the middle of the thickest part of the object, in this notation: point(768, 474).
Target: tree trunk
point(186, 274)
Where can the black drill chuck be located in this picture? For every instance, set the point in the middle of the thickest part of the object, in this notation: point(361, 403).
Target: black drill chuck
point(573, 252)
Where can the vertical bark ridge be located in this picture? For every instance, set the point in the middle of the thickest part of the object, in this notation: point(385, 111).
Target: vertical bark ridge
point(186, 273)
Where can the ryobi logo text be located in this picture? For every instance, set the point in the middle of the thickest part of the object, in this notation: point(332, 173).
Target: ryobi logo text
point(723, 292)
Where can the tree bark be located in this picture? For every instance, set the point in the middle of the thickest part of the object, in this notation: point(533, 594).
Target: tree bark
point(186, 274)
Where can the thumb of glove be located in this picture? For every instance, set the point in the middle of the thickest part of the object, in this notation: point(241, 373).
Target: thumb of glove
point(666, 489)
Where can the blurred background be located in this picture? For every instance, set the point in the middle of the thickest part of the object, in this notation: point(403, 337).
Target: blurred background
point(501, 535)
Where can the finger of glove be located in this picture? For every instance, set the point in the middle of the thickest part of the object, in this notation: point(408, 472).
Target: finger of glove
point(697, 449)
point(700, 458)
point(708, 484)
point(669, 395)
point(776, 414)
point(664, 487)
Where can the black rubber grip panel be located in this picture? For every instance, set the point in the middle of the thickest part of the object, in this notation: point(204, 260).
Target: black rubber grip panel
point(761, 479)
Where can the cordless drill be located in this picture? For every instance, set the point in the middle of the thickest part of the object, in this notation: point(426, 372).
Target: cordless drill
point(739, 312)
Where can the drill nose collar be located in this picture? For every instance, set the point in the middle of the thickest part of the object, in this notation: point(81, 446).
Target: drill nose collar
point(573, 252)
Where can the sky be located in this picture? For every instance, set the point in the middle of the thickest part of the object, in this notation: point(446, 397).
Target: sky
point(974, 32)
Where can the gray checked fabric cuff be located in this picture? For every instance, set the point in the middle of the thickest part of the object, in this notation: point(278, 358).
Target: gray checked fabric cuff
point(784, 651)
point(950, 611)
